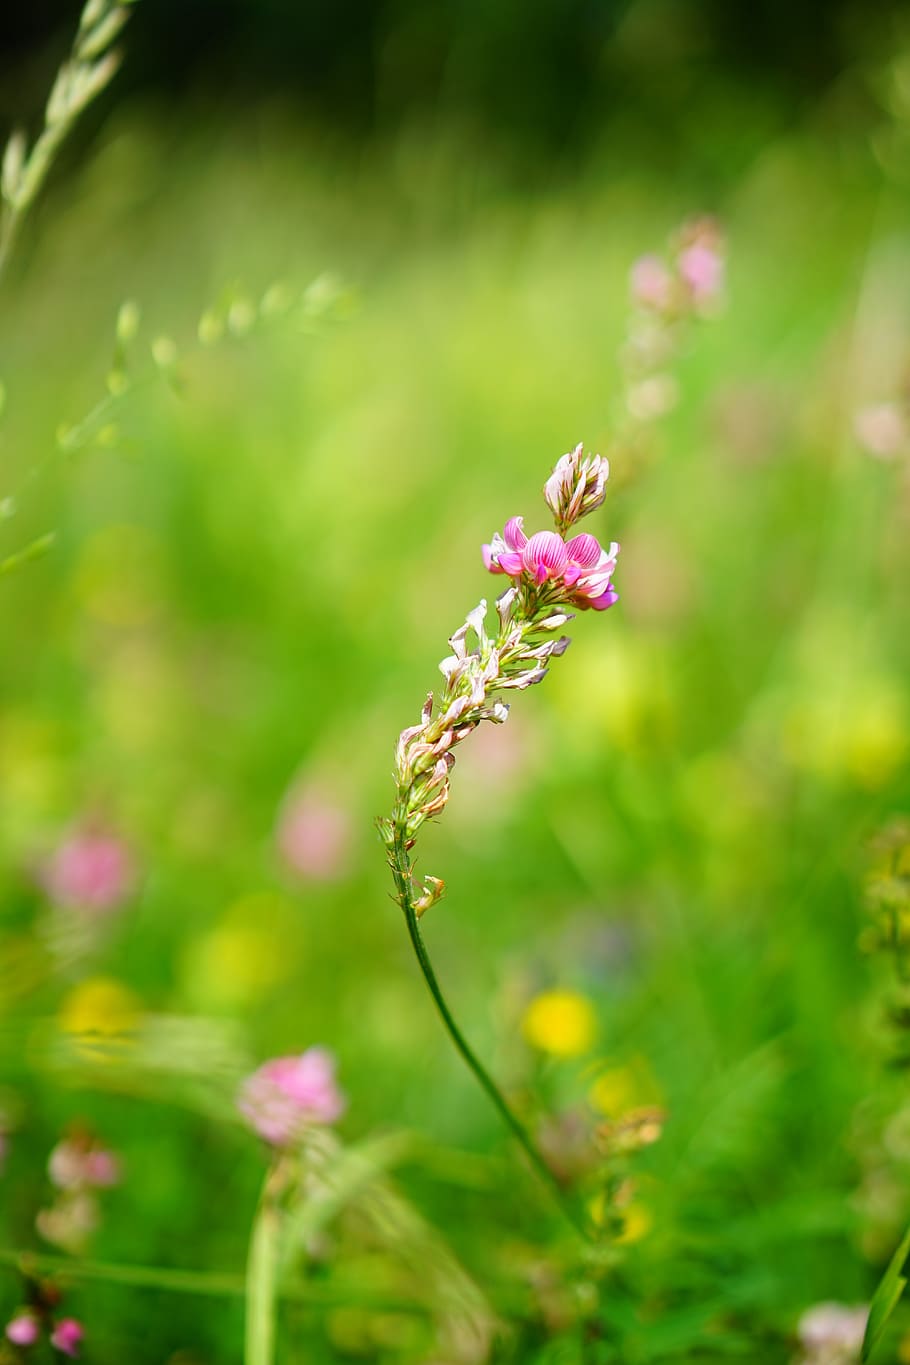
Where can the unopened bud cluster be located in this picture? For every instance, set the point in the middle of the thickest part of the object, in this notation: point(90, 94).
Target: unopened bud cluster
point(577, 486)
point(548, 576)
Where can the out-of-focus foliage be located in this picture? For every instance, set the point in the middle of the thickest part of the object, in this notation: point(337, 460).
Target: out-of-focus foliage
point(268, 497)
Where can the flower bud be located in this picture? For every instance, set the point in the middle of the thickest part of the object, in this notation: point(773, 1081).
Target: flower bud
point(576, 487)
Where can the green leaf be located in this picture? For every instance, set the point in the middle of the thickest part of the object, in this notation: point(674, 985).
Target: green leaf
point(886, 1297)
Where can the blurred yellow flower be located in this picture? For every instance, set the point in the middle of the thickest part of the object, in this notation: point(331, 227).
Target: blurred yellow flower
point(560, 1022)
point(637, 1223)
point(100, 1005)
point(246, 954)
point(620, 1088)
point(636, 1218)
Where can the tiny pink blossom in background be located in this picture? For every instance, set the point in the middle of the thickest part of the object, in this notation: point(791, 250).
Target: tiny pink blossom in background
point(701, 263)
point(23, 1329)
point(77, 1163)
point(882, 430)
point(651, 284)
point(92, 870)
point(703, 271)
point(692, 281)
point(832, 1334)
point(67, 1336)
point(313, 834)
point(287, 1094)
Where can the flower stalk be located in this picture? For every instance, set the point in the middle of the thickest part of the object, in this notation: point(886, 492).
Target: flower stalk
point(549, 575)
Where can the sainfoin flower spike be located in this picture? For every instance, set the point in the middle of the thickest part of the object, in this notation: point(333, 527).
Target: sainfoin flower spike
point(549, 575)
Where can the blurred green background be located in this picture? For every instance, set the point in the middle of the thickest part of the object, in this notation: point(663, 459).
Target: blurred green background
point(261, 547)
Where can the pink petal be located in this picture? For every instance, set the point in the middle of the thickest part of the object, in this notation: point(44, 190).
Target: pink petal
point(584, 550)
point(511, 563)
point(606, 599)
point(488, 561)
point(592, 585)
point(545, 556)
point(513, 533)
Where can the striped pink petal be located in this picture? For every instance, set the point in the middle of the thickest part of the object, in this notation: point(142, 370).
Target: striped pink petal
point(545, 556)
point(513, 534)
point(584, 550)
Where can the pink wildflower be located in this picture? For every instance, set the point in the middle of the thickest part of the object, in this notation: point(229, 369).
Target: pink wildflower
point(832, 1333)
point(288, 1093)
point(700, 261)
point(581, 567)
point(67, 1336)
point(882, 430)
point(702, 269)
point(651, 284)
point(91, 870)
point(77, 1162)
point(313, 834)
point(23, 1329)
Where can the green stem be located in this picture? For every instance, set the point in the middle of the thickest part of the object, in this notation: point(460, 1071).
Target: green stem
point(218, 1284)
point(401, 871)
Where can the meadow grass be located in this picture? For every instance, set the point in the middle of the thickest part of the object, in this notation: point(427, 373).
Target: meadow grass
point(257, 557)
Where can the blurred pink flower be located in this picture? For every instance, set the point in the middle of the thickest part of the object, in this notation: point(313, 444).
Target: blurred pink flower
point(651, 283)
point(700, 261)
point(314, 834)
point(832, 1334)
point(287, 1094)
point(91, 870)
point(23, 1328)
point(701, 267)
point(67, 1336)
point(882, 430)
point(71, 1221)
point(74, 1163)
point(581, 565)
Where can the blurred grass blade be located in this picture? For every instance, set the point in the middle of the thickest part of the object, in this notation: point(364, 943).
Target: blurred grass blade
point(35, 550)
point(262, 1280)
point(345, 1174)
point(886, 1298)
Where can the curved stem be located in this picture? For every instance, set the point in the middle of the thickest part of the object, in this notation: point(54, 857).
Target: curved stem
point(401, 871)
